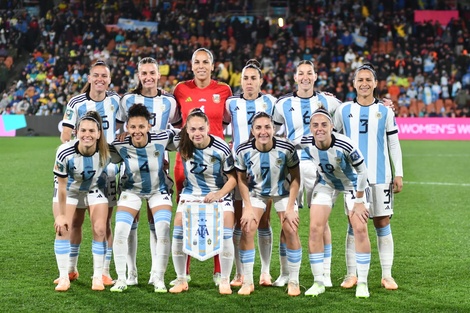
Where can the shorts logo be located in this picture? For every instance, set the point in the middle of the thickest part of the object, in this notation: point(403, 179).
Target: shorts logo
point(216, 98)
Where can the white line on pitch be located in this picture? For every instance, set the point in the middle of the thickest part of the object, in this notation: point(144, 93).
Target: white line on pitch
point(436, 183)
point(435, 155)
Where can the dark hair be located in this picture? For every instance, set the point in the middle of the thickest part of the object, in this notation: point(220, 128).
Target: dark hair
point(323, 111)
point(254, 64)
point(369, 67)
point(87, 86)
point(146, 60)
point(186, 146)
point(258, 115)
point(308, 62)
point(102, 145)
point(211, 56)
point(137, 110)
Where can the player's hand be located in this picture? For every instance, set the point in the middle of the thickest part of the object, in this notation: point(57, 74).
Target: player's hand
point(292, 219)
point(248, 217)
point(61, 225)
point(397, 184)
point(213, 196)
point(122, 136)
point(361, 212)
point(389, 103)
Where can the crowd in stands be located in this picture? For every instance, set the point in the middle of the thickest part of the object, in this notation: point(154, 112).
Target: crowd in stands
point(423, 67)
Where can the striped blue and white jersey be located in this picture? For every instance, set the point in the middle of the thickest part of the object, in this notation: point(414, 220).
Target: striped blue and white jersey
point(144, 166)
point(205, 171)
point(83, 172)
point(294, 112)
point(267, 172)
point(339, 165)
point(162, 107)
point(370, 127)
point(108, 109)
point(242, 112)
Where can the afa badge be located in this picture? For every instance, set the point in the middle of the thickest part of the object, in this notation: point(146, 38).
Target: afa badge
point(355, 156)
point(156, 154)
point(216, 98)
point(378, 115)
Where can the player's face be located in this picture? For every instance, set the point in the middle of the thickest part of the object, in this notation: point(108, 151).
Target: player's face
point(88, 133)
point(138, 127)
point(149, 75)
point(99, 78)
point(263, 130)
point(365, 83)
point(321, 128)
point(202, 66)
point(305, 77)
point(198, 131)
point(251, 82)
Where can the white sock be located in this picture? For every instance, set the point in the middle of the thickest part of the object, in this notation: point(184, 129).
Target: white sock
point(73, 259)
point(179, 257)
point(62, 255)
point(247, 257)
point(226, 257)
point(98, 249)
point(363, 265)
point(120, 244)
point(107, 260)
point(386, 249)
point(265, 246)
point(132, 248)
point(294, 257)
point(283, 259)
point(162, 220)
point(153, 246)
point(316, 265)
point(350, 252)
point(327, 260)
point(237, 235)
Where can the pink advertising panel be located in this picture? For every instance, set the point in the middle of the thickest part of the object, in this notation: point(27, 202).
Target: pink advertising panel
point(4, 132)
point(434, 128)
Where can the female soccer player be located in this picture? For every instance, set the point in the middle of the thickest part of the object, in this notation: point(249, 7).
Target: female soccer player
point(209, 95)
point(95, 96)
point(143, 154)
point(242, 109)
point(372, 125)
point(78, 165)
point(340, 168)
point(209, 177)
point(268, 168)
point(163, 110)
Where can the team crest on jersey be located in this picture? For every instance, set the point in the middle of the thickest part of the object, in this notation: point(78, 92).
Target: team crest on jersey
point(112, 107)
point(279, 161)
point(338, 160)
point(265, 106)
point(162, 107)
point(213, 159)
point(156, 154)
point(216, 98)
point(378, 115)
point(68, 114)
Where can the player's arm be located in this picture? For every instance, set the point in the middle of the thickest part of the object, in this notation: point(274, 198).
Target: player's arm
point(290, 215)
point(396, 156)
point(60, 223)
point(66, 134)
point(228, 186)
point(248, 213)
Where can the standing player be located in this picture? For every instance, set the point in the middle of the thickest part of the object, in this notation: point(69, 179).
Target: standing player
point(143, 154)
point(242, 109)
point(163, 111)
point(95, 96)
point(209, 177)
point(268, 168)
point(372, 125)
point(78, 166)
point(293, 111)
point(341, 168)
point(209, 95)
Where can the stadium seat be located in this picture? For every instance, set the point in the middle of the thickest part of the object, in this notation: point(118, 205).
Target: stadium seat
point(439, 104)
point(259, 50)
point(413, 109)
point(431, 108)
point(302, 43)
point(449, 104)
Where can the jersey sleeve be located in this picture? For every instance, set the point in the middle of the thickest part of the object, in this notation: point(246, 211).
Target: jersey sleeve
point(239, 161)
point(122, 112)
point(60, 166)
point(70, 116)
point(338, 119)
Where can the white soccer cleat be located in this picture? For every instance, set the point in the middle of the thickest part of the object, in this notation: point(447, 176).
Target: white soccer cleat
point(315, 290)
point(281, 281)
point(119, 286)
point(362, 291)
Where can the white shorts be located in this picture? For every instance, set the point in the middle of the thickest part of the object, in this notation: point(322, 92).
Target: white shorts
point(55, 196)
point(308, 176)
point(280, 203)
point(83, 200)
point(381, 200)
point(324, 195)
point(133, 201)
point(228, 204)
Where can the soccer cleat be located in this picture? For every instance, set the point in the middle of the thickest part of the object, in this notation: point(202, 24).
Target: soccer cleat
point(237, 281)
point(107, 281)
point(63, 284)
point(119, 286)
point(97, 284)
point(246, 289)
point(315, 290)
point(216, 279)
point(327, 281)
point(281, 281)
point(132, 278)
point(362, 291)
point(159, 285)
point(265, 280)
point(173, 282)
point(180, 286)
point(153, 275)
point(224, 287)
point(349, 281)
point(72, 276)
point(293, 288)
point(389, 283)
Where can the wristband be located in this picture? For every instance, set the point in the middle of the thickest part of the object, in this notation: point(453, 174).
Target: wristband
point(359, 200)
